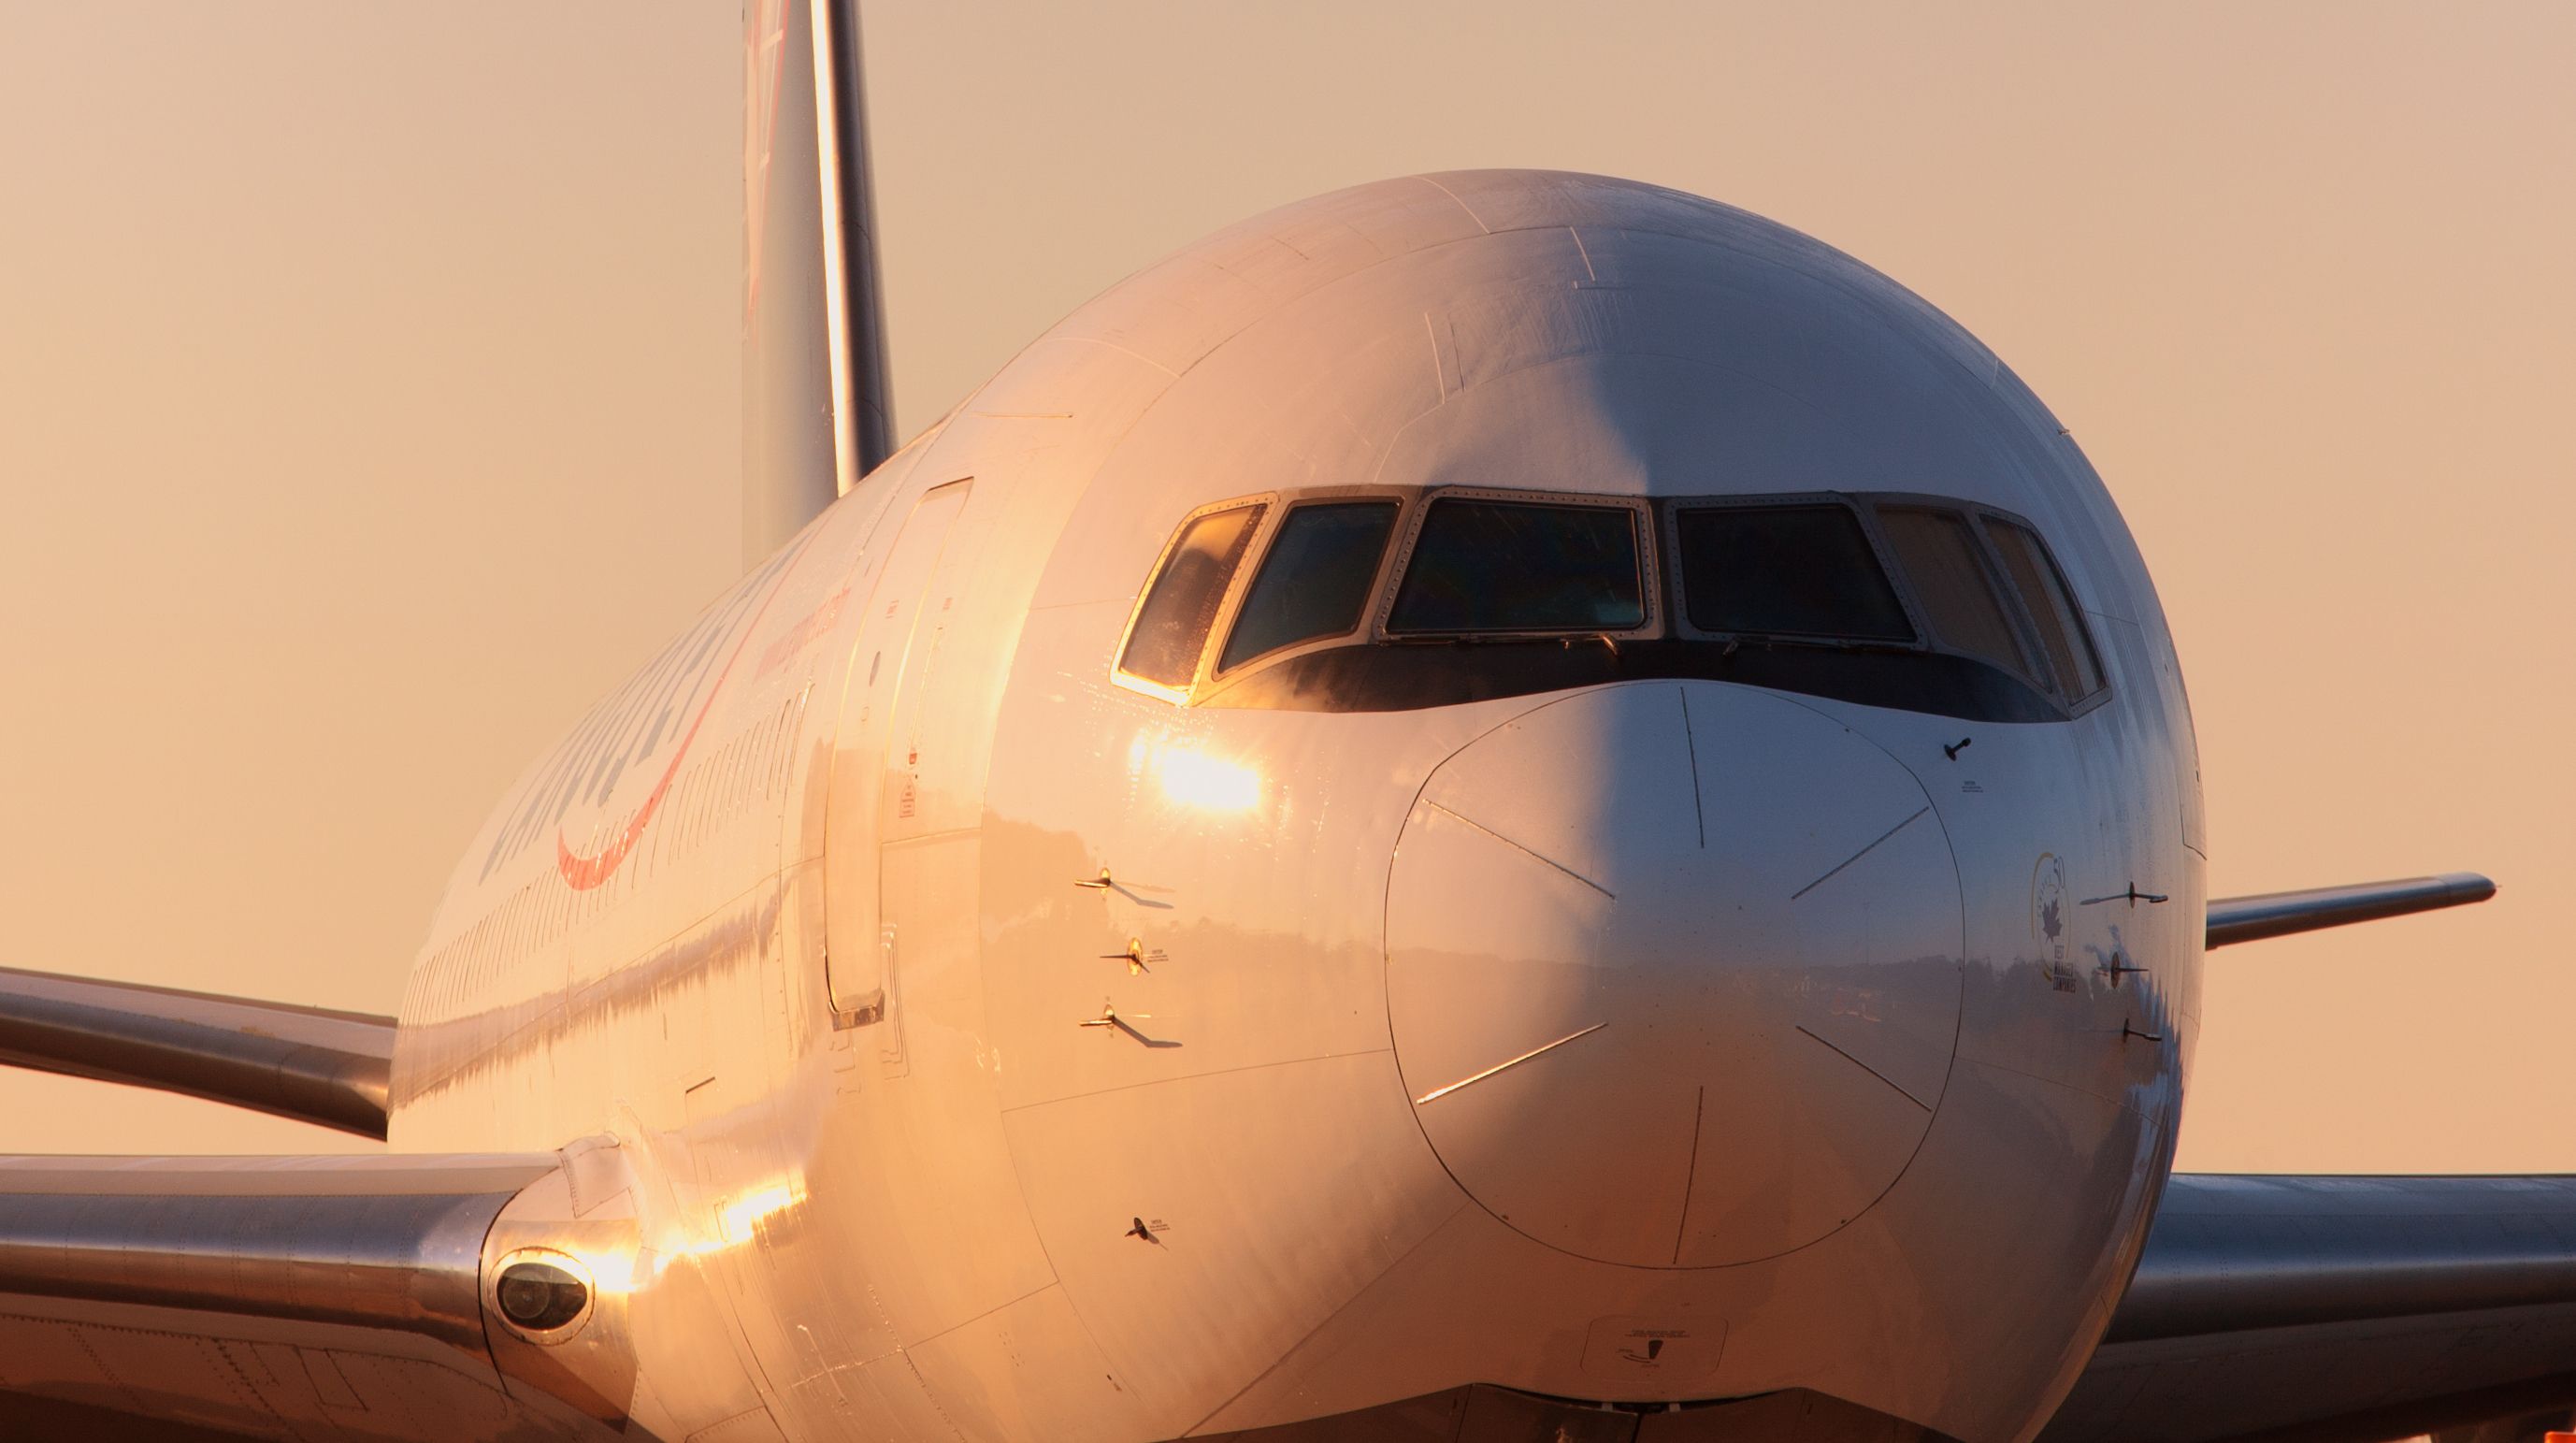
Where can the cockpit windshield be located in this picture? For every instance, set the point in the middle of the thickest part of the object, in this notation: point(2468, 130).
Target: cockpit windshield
point(1315, 581)
point(2051, 606)
point(1515, 567)
point(1172, 625)
point(1784, 571)
point(1950, 576)
point(1920, 602)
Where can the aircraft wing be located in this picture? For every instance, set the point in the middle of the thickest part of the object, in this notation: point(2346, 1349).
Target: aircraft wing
point(317, 1066)
point(2337, 1308)
point(2278, 914)
point(279, 1297)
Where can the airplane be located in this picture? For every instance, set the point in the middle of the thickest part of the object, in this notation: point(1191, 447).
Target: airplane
point(1498, 805)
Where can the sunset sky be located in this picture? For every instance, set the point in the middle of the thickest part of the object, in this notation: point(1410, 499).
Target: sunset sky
point(368, 404)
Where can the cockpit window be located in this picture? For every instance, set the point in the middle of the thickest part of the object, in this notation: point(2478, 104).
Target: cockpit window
point(1315, 581)
point(1914, 601)
point(2052, 608)
point(1517, 566)
point(1792, 571)
point(1941, 557)
point(1171, 627)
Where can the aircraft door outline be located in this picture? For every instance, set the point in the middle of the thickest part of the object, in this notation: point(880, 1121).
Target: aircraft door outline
point(885, 665)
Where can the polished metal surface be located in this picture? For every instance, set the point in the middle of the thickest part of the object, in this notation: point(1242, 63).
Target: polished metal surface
point(326, 1068)
point(2238, 1253)
point(393, 1242)
point(2353, 1308)
point(2278, 914)
point(273, 1297)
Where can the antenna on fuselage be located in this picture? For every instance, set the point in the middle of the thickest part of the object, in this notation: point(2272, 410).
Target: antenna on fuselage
point(815, 417)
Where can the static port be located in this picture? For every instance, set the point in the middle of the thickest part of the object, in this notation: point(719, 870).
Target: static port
point(540, 1297)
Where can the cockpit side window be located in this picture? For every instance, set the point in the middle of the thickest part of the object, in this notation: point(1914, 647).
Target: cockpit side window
point(1492, 566)
point(1171, 627)
point(1941, 557)
point(1796, 571)
point(2052, 607)
point(1315, 581)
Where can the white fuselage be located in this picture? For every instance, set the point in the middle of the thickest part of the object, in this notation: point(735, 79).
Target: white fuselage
point(1454, 1016)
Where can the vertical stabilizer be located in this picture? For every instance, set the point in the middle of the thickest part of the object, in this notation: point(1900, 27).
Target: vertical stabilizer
point(814, 412)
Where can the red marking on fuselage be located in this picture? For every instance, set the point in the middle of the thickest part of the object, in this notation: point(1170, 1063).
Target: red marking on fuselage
point(583, 873)
point(817, 624)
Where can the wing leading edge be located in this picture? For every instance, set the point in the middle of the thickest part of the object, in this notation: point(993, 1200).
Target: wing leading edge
point(283, 1297)
point(2278, 914)
point(2337, 1308)
point(317, 1066)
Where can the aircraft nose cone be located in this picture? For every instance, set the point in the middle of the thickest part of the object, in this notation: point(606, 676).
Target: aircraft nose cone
point(1674, 972)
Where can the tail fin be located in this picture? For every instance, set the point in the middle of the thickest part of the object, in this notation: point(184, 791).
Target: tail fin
point(814, 412)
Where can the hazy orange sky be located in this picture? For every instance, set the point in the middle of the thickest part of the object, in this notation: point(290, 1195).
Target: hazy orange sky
point(368, 403)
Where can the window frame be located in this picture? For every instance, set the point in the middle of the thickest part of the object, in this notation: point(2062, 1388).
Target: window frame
point(1662, 590)
point(1670, 509)
point(1268, 535)
point(1255, 546)
point(2035, 668)
point(2016, 613)
point(1987, 515)
point(1641, 523)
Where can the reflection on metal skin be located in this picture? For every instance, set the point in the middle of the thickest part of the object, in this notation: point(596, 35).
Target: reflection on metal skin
point(2422, 1302)
point(736, 1220)
point(325, 1068)
point(1483, 1412)
point(1194, 778)
point(583, 1219)
point(1437, 1093)
point(2233, 1254)
point(379, 1243)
